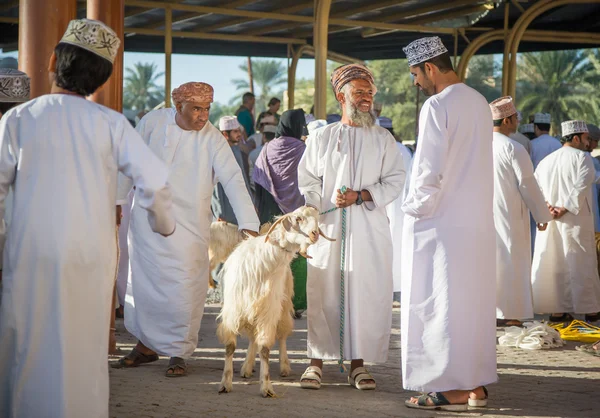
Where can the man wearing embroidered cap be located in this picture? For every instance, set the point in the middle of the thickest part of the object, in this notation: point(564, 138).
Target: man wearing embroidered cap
point(528, 131)
point(61, 155)
point(169, 276)
point(357, 154)
point(544, 144)
point(565, 271)
point(449, 215)
point(221, 207)
point(516, 192)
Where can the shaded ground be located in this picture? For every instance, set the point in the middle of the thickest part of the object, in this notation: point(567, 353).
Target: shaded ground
point(554, 383)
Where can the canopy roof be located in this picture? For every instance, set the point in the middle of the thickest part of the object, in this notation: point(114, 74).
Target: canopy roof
point(363, 29)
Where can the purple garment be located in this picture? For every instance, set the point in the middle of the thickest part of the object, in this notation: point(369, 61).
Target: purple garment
point(276, 171)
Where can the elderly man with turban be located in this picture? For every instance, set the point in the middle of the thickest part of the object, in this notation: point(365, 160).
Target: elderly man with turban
point(350, 171)
point(168, 278)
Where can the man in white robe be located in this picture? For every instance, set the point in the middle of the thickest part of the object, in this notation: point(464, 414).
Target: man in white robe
point(544, 144)
point(565, 271)
point(168, 277)
point(449, 242)
point(516, 192)
point(61, 154)
point(363, 157)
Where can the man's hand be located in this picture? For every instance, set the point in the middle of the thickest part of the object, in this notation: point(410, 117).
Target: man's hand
point(542, 227)
point(249, 232)
point(343, 200)
point(119, 215)
point(558, 213)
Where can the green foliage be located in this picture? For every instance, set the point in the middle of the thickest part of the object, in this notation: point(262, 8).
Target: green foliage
point(484, 74)
point(217, 110)
point(268, 75)
point(141, 91)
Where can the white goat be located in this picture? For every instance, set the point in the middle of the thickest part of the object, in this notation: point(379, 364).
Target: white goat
point(258, 291)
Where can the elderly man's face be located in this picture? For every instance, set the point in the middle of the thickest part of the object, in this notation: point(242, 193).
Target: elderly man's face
point(193, 116)
point(361, 94)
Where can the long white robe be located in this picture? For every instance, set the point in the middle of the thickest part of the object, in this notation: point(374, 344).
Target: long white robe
point(360, 159)
point(449, 248)
point(168, 277)
point(542, 146)
point(61, 154)
point(123, 272)
point(523, 140)
point(516, 192)
point(396, 217)
point(565, 271)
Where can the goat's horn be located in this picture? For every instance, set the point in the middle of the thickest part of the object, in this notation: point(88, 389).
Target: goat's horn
point(278, 221)
point(325, 236)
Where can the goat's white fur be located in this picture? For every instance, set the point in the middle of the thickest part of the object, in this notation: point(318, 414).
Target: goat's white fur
point(257, 295)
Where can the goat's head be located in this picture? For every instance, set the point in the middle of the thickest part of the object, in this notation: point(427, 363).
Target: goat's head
point(300, 227)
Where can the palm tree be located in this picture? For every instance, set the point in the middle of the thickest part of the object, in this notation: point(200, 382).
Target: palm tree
point(557, 82)
point(267, 74)
point(141, 91)
point(484, 76)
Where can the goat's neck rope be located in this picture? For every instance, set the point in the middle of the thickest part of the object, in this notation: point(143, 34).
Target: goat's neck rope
point(342, 283)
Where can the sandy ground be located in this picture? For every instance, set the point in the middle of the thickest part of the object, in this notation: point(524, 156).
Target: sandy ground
point(550, 383)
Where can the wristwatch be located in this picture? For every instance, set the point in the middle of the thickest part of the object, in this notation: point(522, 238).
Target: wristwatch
point(359, 199)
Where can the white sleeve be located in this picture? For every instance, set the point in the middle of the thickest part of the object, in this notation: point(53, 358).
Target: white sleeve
point(391, 179)
point(8, 167)
point(310, 173)
point(429, 163)
point(585, 177)
point(149, 175)
point(124, 183)
point(231, 178)
point(528, 186)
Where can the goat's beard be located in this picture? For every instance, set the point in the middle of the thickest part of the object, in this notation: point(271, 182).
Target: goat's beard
point(358, 117)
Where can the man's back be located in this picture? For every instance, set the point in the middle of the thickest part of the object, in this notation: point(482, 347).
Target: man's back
point(542, 146)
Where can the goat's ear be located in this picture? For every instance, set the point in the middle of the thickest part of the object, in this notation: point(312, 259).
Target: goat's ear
point(299, 219)
point(287, 223)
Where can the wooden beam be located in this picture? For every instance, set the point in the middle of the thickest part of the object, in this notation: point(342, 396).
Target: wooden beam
point(517, 5)
point(415, 13)
point(9, 19)
point(217, 36)
point(140, 10)
point(345, 13)
point(193, 15)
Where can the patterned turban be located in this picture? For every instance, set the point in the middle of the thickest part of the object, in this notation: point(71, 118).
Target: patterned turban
point(193, 92)
point(346, 73)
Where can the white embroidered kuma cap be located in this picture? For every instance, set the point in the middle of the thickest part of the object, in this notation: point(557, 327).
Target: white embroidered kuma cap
point(527, 128)
point(542, 118)
point(93, 36)
point(423, 50)
point(14, 86)
point(504, 107)
point(228, 123)
point(571, 127)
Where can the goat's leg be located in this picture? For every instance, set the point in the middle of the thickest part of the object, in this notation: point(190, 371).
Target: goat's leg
point(248, 366)
point(227, 380)
point(284, 363)
point(266, 388)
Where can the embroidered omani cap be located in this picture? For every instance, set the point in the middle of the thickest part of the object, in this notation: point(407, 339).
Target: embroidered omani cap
point(93, 36)
point(424, 49)
point(14, 86)
point(571, 127)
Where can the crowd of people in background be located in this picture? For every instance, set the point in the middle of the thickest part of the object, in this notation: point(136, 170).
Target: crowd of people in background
point(449, 224)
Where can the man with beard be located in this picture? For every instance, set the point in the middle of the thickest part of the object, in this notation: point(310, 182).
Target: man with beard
point(449, 241)
point(565, 272)
point(168, 277)
point(354, 166)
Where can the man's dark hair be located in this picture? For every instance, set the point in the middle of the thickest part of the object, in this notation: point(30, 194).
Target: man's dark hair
point(269, 136)
point(530, 135)
point(443, 62)
point(498, 123)
point(247, 96)
point(274, 101)
point(5, 107)
point(543, 126)
point(569, 138)
point(80, 71)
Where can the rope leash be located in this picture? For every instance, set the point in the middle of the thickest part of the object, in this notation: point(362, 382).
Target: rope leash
point(342, 283)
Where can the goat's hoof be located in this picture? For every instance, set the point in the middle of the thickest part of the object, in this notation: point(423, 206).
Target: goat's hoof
point(246, 374)
point(268, 393)
point(285, 371)
point(225, 389)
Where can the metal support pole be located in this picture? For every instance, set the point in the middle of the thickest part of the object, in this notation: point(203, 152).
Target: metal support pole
point(505, 56)
point(168, 53)
point(321, 27)
point(455, 47)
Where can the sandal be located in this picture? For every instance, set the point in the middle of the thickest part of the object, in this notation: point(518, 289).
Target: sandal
point(589, 349)
point(479, 403)
point(439, 402)
point(508, 323)
point(174, 364)
point(562, 318)
point(311, 378)
point(358, 375)
point(134, 359)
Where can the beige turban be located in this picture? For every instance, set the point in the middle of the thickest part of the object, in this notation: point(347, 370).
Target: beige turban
point(346, 73)
point(503, 107)
point(193, 92)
